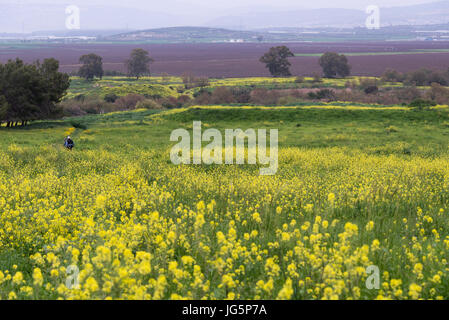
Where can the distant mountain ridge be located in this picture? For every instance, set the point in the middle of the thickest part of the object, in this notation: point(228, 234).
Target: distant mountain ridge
point(433, 13)
point(16, 18)
point(187, 34)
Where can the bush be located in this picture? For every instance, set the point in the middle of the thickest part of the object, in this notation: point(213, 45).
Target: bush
point(129, 102)
point(110, 97)
point(437, 77)
point(149, 104)
point(201, 82)
point(172, 102)
point(421, 103)
point(418, 77)
point(264, 97)
point(113, 73)
point(203, 97)
point(78, 125)
point(327, 94)
point(80, 97)
point(242, 94)
point(438, 93)
point(365, 83)
point(316, 78)
point(71, 108)
point(371, 90)
point(222, 95)
point(391, 75)
point(299, 79)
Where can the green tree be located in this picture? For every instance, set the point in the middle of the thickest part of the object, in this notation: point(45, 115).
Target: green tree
point(30, 91)
point(92, 66)
point(55, 86)
point(276, 60)
point(139, 63)
point(335, 65)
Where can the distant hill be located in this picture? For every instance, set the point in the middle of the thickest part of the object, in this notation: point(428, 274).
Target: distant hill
point(188, 34)
point(16, 17)
point(287, 34)
point(431, 13)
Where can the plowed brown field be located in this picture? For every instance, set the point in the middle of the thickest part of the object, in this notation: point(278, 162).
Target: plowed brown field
point(238, 60)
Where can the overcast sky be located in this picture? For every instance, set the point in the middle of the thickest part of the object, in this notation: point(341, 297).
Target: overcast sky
point(33, 15)
point(180, 5)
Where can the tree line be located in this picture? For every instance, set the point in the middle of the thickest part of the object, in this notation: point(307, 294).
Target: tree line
point(333, 64)
point(137, 65)
point(33, 91)
point(276, 60)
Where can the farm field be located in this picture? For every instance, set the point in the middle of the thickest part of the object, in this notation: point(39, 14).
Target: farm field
point(356, 187)
point(242, 59)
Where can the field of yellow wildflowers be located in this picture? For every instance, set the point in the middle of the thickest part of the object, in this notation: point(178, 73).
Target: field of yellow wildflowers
point(355, 188)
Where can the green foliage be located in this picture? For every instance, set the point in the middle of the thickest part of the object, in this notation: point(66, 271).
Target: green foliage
point(78, 124)
point(421, 103)
point(92, 66)
point(139, 63)
point(335, 65)
point(31, 91)
point(276, 60)
point(110, 97)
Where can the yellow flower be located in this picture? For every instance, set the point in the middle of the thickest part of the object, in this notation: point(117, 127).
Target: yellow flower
point(91, 285)
point(286, 291)
point(414, 291)
point(369, 226)
point(436, 279)
point(38, 280)
point(18, 278)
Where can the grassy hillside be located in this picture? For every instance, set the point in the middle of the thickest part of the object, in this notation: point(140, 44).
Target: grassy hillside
point(356, 186)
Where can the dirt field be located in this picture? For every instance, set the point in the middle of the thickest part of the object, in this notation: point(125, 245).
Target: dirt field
point(237, 60)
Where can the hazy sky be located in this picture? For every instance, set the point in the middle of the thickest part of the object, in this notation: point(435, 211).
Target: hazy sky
point(205, 5)
point(50, 14)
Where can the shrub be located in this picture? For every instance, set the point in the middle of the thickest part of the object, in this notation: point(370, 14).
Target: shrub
point(80, 97)
point(203, 97)
point(172, 102)
point(201, 82)
point(365, 83)
point(264, 97)
point(418, 77)
point(71, 108)
point(241, 94)
point(149, 104)
point(327, 94)
point(408, 94)
point(110, 97)
point(113, 73)
point(421, 103)
point(391, 75)
point(299, 79)
point(371, 90)
point(78, 125)
point(438, 93)
point(437, 77)
point(129, 102)
point(316, 78)
point(222, 95)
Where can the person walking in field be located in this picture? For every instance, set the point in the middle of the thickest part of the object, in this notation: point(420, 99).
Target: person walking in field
point(68, 143)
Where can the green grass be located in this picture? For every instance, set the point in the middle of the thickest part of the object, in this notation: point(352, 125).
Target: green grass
point(424, 132)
